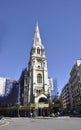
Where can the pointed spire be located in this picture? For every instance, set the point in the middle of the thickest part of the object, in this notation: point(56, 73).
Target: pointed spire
point(37, 39)
point(37, 27)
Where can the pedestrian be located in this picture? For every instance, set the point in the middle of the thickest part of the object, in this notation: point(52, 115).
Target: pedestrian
point(31, 114)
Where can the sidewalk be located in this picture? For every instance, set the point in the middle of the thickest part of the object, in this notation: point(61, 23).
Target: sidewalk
point(2, 121)
point(42, 117)
point(48, 117)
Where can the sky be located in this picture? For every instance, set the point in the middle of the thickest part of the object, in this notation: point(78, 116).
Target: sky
point(60, 29)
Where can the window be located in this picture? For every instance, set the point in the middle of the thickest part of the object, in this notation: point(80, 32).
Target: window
point(39, 78)
point(38, 66)
point(38, 51)
point(26, 80)
point(36, 91)
point(33, 50)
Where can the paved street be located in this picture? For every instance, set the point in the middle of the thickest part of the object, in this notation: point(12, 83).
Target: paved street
point(42, 124)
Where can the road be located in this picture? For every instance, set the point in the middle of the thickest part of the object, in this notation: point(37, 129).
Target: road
point(42, 124)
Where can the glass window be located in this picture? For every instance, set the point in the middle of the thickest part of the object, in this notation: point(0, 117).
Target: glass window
point(38, 51)
point(26, 80)
point(39, 78)
point(33, 50)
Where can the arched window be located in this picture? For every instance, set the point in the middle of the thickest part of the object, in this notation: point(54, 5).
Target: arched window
point(38, 51)
point(33, 50)
point(39, 78)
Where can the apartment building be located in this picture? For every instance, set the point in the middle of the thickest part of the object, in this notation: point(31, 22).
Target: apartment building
point(65, 97)
point(71, 92)
point(75, 85)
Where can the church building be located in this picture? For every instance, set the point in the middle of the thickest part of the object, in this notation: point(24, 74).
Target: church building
point(36, 83)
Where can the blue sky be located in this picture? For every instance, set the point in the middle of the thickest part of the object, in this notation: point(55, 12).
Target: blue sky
point(60, 30)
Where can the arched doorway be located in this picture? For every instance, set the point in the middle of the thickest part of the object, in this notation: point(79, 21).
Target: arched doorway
point(43, 100)
point(42, 110)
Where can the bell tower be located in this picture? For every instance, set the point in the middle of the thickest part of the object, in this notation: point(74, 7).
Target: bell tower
point(38, 71)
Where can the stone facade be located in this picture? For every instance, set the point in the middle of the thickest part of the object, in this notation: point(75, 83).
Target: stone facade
point(35, 84)
point(38, 71)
